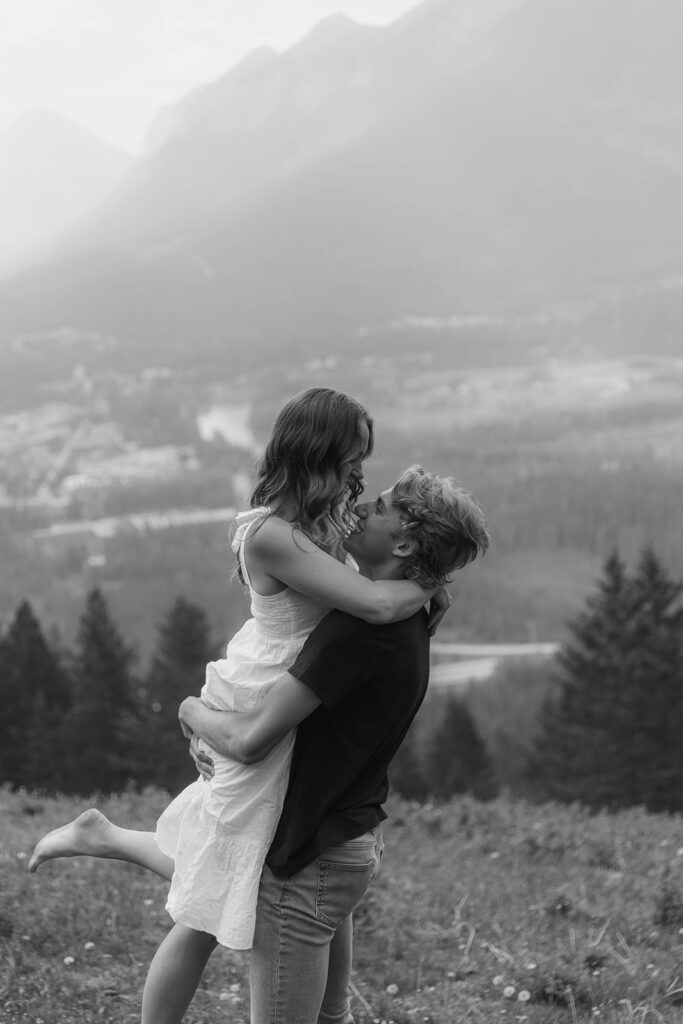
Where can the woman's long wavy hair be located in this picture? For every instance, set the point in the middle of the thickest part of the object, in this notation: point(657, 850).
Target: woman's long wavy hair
point(306, 459)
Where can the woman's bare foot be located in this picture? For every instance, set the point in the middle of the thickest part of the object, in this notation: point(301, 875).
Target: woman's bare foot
point(86, 835)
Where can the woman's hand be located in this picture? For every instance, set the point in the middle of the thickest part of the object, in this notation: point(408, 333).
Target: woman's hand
point(438, 606)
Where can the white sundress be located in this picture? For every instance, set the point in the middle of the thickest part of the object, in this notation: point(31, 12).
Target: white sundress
point(219, 832)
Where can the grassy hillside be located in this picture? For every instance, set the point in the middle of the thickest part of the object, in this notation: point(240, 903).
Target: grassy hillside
point(482, 912)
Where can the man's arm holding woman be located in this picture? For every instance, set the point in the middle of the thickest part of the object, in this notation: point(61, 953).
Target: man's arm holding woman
point(249, 736)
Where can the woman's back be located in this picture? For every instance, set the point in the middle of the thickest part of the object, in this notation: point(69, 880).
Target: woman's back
point(267, 644)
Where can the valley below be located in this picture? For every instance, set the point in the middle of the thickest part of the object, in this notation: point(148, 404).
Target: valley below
point(127, 478)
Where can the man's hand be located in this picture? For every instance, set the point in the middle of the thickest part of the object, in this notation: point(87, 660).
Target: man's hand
point(249, 736)
point(184, 713)
point(438, 606)
point(202, 762)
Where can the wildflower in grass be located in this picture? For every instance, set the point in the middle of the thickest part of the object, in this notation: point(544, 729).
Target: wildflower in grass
point(223, 996)
point(21, 855)
point(524, 995)
point(148, 903)
point(392, 989)
point(531, 966)
point(235, 987)
point(509, 991)
point(89, 945)
point(69, 960)
point(494, 855)
point(498, 980)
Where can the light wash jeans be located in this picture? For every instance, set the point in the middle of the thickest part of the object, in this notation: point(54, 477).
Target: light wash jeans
point(300, 964)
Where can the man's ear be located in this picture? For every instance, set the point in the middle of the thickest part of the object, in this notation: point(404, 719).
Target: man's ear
point(403, 548)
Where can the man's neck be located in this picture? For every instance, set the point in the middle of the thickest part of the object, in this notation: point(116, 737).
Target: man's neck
point(392, 569)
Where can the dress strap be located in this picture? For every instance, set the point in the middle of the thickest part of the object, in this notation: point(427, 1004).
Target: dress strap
point(351, 562)
point(245, 522)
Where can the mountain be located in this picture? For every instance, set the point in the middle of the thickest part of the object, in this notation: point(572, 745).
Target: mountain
point(51, 172)
point(466, 157)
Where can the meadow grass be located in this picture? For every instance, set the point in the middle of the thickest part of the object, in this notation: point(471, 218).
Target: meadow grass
point(503, 911)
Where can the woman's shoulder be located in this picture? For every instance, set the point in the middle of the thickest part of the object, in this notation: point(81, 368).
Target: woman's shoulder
point(276, 535)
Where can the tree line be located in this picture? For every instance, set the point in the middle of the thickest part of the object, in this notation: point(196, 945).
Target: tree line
point(608, 728)
point(82, 719)
point(607, 733)
point(611, 736)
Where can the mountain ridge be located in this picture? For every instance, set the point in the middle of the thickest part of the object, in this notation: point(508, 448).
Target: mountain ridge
point(51, 171)
point(501, 165)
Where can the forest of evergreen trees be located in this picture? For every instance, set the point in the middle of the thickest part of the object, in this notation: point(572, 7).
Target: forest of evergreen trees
point(87, 719)
point(611, 737)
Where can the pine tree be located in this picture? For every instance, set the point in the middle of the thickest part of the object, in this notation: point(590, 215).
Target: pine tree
point(612, 737)
point(456, 760)
point(103, 721)
point(177, 671)
point(35, 695)
point(656, 704)
point(576, 755)
point(45, 761)
point(10, 716)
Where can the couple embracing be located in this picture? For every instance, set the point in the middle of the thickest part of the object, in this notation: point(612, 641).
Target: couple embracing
point(278, 839)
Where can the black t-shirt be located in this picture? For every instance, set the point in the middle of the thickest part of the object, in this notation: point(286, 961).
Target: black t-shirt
point(371, 681)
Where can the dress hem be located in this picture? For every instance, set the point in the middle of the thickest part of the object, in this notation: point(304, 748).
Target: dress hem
point(195, 926)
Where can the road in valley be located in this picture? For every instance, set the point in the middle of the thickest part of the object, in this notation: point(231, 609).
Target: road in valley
point(460, 664)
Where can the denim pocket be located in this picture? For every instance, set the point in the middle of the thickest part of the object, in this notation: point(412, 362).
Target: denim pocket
point(344, 874)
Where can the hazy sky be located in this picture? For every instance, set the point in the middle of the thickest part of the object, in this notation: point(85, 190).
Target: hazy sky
point(111, 64)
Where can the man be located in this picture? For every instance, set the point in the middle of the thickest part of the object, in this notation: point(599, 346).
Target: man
point(353, 692)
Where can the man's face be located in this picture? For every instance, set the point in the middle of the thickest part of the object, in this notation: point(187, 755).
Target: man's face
point(378, 530)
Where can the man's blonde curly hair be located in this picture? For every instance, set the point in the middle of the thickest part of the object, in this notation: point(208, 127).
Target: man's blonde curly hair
point(442, 520)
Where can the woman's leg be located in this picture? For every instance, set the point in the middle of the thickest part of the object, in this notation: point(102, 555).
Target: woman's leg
point(93, 835)
point(180, 959)
point(174, 974)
